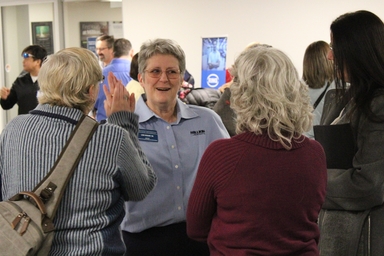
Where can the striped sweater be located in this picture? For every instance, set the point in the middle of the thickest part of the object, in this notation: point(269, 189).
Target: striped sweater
point(113, 170)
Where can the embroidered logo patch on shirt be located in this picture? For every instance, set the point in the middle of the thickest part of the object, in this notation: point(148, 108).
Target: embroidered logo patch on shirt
point(148, 135)
point(195, 133)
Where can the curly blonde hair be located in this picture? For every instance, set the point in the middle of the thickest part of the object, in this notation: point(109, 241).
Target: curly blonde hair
point(268, 96)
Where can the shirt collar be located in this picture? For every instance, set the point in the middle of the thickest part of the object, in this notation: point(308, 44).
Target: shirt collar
point(184, 111)
point(71, 115)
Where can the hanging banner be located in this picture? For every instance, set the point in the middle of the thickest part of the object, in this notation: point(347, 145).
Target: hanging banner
point(214, 56)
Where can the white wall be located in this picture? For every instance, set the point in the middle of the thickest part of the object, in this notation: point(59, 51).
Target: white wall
point(76, 12)
point(16, 18)
point(40, 12)
point(288, 25)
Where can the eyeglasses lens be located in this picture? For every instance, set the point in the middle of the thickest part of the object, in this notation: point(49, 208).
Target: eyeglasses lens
point(171, 74)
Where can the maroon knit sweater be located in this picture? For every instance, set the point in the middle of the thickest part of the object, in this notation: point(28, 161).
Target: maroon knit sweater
point(253, 197)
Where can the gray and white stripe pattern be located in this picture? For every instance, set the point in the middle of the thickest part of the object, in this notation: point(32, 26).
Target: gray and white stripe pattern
point(113, 169)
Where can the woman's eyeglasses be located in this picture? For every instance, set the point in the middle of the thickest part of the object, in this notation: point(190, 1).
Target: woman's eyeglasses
point(170, 73)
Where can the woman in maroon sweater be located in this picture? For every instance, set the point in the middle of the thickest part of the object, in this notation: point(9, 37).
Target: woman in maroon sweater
point(260, 192)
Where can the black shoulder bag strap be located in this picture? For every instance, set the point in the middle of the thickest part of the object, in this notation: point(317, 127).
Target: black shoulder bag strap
point(51, 188)
point(321, 96)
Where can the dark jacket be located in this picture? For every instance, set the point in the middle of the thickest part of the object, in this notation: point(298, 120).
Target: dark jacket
point(23, 93)
point(205, 97)
point(352, 220)
point(333, 104)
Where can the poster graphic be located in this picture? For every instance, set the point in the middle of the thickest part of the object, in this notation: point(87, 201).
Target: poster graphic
point(92, 29)
point(42, 35)
point(214, 57)
point(91, 43)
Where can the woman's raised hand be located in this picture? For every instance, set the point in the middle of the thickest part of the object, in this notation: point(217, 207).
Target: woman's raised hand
point(117, 97)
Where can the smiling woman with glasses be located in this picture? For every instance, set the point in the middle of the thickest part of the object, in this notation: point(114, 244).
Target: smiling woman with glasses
point(174, 136)
point(24, 90)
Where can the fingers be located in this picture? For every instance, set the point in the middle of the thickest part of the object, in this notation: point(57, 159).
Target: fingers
point(107, 101)
point(132, 101)
point(117, 94)
point(117, 97)
point(4, 92)
point(108, 95)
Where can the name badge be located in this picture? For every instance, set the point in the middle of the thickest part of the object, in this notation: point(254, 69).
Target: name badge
point(148, 135)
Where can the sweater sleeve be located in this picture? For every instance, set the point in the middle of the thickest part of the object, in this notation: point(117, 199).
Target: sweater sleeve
point(361, 187)
point(211, 176)
point(136, 171)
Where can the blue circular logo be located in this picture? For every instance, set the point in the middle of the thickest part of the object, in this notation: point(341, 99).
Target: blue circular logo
point(213, 80)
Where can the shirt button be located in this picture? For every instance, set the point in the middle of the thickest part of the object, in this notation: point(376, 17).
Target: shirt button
point(168, 127)
point(176, 166)
point(173, 146)
point(179, 208)
point(178, 187)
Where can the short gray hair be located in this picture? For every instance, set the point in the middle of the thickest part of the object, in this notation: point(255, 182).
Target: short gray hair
point(268, 95)
point(161, 46)
point(66, 77)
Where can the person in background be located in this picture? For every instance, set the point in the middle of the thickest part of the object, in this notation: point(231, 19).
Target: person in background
point(223, 108)
point(120, 66)
point(189, 79)
point(187, 86)
point(113, 169)
point(25, 88)
point(318, 74)
point(260, 192)
point(174, 136)
point(134, 86)
point(104, 49)
point(214, 57)
point(352, 219)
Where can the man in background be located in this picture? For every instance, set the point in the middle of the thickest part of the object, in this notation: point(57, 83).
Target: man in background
point(25, 88)
point(120, 66)
point(214, 57)
point(104, 49)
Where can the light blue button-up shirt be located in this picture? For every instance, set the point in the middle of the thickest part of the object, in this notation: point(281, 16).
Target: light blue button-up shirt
point(174, 150)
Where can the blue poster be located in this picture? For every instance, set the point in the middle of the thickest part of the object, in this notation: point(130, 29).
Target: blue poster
point(91, 43)
point(214, 57)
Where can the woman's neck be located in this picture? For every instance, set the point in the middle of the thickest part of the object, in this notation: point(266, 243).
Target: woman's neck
point(167, 113)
